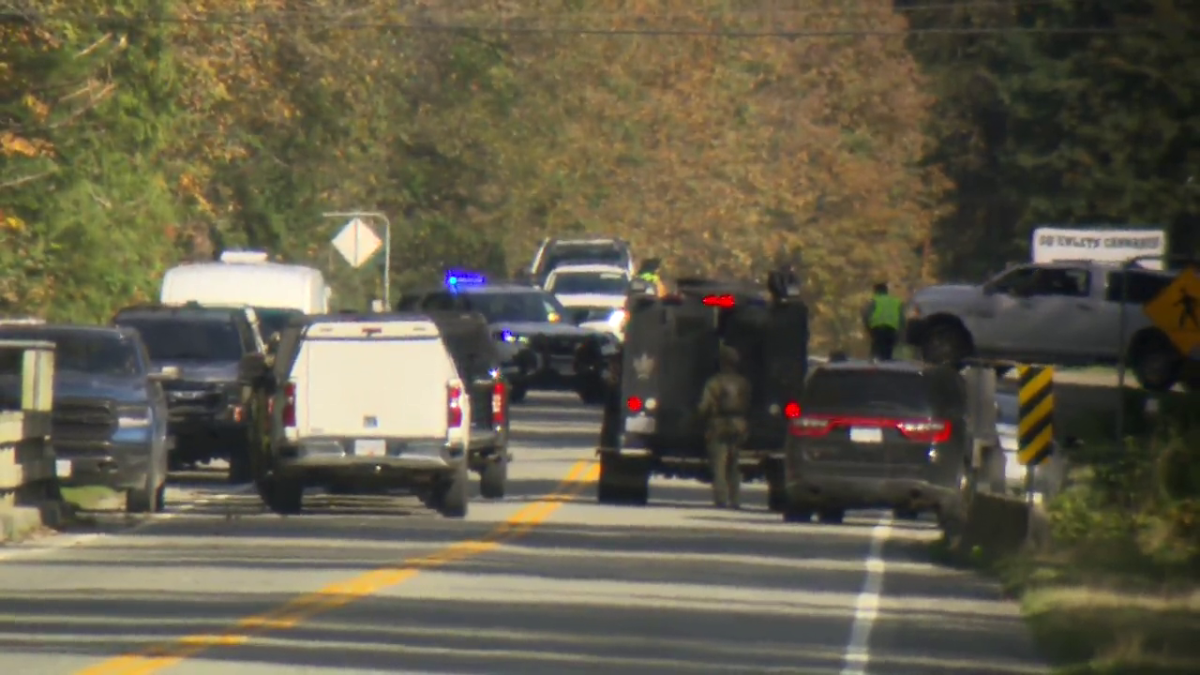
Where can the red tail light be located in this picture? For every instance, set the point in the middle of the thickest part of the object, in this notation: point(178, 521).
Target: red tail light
point(810, 425)
point(722, 301)
point(454, 413)
point(634, 404)
point(498, 403)
point(923, 431)
point(289, 404)
point(930, 431)
point(792, 410)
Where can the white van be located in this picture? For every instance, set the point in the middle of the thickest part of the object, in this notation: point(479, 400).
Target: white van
point(369, 402)
point(247, 278)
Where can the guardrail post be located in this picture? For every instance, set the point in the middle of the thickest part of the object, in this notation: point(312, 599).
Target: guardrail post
point(29, 495)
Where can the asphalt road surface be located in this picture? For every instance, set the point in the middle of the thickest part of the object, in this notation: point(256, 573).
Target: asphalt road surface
point(544, 581)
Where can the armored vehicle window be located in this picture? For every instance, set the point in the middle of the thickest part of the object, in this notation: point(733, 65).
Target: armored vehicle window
point(881, 392)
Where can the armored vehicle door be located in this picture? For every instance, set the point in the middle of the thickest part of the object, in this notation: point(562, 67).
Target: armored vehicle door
point(772, 345)
point(670, 350)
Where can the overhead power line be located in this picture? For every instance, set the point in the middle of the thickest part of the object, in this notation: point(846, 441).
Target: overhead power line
point(329, 22)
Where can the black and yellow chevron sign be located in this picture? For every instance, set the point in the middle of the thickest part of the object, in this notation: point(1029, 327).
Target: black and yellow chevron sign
point(1035, 426)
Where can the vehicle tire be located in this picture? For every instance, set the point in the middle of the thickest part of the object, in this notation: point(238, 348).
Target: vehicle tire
point(797, 513)
point(454, 495)
point(946, 344)
point(517, 394)
point(622, 482)
point(831, 516)
point(494, 477)
point(593, 393)
point(146, 499)
point(240, 471)
point(1157, 364)
point(777, 496)
point(906, 514)
point(285, 497)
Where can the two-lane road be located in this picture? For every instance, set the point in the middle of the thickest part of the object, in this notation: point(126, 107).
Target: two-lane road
point(544, 581)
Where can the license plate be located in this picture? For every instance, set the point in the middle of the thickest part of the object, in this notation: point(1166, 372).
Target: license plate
point(370, 448)
point(62, 468)
point(639, 425)
point(866, 435)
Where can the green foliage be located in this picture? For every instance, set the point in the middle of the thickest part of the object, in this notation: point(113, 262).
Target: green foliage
point(1043, 128)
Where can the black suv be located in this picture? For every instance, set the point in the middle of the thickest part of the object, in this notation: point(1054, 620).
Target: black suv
point(870, 435)
point(206, 403)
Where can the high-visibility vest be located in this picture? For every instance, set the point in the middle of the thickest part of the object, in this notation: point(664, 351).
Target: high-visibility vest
point(887, 312)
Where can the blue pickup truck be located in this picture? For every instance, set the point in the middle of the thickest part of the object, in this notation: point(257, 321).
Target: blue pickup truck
point(109, 423)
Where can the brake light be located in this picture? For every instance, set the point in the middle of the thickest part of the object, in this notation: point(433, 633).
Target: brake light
point(289, 404)
point(722, 301)
point(454, 413)
point(634, 404)
point(792, 410)
point(808, 425)
point(498, 407)
point(924, 431)
point(931, 431)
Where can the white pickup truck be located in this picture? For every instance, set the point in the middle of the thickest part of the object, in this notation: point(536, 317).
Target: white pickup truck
point(1061, 313)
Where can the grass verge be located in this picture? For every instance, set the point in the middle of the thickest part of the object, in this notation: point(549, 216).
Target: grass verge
point(1107, 623)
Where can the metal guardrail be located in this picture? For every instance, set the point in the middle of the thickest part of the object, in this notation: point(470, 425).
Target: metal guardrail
point(28, 472)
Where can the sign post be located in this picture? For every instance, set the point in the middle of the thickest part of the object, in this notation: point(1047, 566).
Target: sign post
point(357, 243)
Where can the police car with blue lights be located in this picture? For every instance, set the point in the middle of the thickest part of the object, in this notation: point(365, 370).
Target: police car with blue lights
point(541, 349)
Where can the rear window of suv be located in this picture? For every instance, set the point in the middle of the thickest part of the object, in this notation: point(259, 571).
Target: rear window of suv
point(873, 392)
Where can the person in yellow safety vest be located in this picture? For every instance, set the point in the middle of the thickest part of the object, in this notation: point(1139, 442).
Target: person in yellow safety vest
point(649, 273)
point(883, 317)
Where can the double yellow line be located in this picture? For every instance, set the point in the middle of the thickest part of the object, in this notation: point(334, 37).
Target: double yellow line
point(299, 610)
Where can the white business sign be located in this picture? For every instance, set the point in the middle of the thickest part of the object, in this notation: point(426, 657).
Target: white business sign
point(1051, 244)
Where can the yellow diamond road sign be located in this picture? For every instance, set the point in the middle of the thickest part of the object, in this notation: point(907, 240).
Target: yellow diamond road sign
point(1176, 311)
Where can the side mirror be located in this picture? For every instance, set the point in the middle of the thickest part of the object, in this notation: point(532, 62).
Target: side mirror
point(166, 374)
point(273, 342)
point(251, 368)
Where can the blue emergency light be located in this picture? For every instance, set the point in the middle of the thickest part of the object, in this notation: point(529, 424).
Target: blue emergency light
point(459, 279)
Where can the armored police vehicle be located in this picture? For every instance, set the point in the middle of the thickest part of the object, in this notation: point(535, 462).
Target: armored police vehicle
point(540, 348)
point(671, 347)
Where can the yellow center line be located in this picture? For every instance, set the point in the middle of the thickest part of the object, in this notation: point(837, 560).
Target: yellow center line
point(304, 607)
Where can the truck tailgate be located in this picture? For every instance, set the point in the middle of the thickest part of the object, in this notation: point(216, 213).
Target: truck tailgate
point(373, 388)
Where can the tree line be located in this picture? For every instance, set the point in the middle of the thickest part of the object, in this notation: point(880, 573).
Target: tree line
point(719, 136)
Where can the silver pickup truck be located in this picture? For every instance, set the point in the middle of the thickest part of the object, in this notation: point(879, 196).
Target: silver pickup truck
point(1062, 313)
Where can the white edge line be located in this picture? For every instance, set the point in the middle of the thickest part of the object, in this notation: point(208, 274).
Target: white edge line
point(65, 541)
point(866, 607)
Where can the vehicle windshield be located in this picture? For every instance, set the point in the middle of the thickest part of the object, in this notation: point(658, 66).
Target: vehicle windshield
point(580, 254)
point(533, 307)
point(600, 283)
point(866, 392)
point(272, 320)
point(171, 339)
point(88, 352)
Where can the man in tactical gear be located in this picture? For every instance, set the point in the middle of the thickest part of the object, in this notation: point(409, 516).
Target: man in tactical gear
point(723, 407)
point(883, 317)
